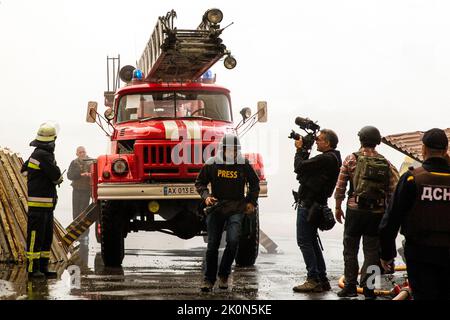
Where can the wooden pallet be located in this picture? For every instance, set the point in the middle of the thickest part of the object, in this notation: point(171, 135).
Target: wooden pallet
point(13, 214)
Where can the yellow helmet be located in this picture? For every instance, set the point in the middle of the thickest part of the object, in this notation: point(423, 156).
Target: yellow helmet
point(46, 132)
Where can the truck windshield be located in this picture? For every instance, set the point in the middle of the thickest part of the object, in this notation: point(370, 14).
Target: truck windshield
point(165, 104)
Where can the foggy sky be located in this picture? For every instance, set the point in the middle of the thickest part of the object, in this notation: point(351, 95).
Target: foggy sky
point(345, 64)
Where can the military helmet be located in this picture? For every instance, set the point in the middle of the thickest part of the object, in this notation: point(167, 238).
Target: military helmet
point(369, 135)
point(230, 140)
point(46, 132)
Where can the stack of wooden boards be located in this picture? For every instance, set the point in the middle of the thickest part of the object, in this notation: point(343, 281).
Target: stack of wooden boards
point(13, 214)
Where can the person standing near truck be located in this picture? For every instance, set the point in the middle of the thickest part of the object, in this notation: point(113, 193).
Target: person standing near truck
point(80, 175)
point(228, 173)
point(43, 175)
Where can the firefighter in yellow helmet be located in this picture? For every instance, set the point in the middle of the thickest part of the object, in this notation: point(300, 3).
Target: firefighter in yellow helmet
point(43, 177)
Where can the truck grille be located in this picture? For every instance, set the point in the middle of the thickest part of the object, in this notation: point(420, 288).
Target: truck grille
point(166, 155)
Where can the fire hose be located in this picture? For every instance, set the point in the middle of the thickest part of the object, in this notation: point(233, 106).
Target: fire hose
point(399, 292)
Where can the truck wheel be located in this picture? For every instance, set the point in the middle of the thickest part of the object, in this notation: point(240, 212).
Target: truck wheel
point(249, 241)
point(112, 238)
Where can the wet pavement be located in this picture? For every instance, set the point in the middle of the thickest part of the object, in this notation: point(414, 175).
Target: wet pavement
point(159, 266)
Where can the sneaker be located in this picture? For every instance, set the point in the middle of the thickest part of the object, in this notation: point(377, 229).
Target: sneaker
point(310, 285)
point(325, 285)
point(369, 294)
point(348, 291)
point(206, 286)
point(223, 283)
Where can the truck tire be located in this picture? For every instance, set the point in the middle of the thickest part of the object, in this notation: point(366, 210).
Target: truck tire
point(112, 237)
point(249, 241)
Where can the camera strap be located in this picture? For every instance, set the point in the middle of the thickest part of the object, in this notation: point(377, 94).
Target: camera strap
point(320, 242)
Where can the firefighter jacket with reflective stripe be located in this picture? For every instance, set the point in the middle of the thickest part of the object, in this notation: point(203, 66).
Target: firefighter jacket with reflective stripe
point(76, 168)
point(228, 181)
point(428, 223)
point(43, 175)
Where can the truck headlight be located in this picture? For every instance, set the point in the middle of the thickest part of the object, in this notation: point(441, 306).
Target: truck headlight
point(120, 167)
point(230, 62)
point(214, 16)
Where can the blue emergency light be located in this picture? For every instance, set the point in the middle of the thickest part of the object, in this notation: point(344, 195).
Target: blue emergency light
point(137, 74)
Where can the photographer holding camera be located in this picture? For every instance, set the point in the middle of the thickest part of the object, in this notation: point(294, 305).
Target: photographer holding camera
point(317, 177)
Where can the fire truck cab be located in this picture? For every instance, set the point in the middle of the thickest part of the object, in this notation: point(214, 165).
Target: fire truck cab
point(164, 124)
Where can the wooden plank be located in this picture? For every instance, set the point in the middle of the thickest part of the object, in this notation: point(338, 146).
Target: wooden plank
point(19, 228)
point(17, 166)
point(6, 229)
point(18, 162)
point(14, 176)
point(9, 177)
point(4, 248)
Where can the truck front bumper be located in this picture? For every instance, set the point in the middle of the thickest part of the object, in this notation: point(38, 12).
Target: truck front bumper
point(144, 191)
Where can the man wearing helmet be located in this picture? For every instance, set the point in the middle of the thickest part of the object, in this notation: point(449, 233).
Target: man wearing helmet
point(228, 173)
point(43, 176)
point(367, 200)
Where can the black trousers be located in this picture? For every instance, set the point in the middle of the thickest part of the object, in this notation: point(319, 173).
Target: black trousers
point(428, 272)
point(39, 237)
point(80, 201)
point(360, 224)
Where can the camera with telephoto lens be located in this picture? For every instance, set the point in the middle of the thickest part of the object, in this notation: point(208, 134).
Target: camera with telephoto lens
point(310, 127)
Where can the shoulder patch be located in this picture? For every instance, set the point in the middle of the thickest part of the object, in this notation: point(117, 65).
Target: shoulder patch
point(410, 178)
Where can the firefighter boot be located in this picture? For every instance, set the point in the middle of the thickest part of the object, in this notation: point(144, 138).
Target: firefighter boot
point(33, 269)
point(44, 269)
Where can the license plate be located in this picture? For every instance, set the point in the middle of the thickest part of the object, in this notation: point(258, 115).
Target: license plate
point(179, 190)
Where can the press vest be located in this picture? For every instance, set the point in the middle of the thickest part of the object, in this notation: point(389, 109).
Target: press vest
point(428, 223)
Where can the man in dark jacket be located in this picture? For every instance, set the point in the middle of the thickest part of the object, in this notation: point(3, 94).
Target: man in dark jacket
point(317, 177)
point(79, 174)
point(421, 207)
point(228, 174)
point(43, 176)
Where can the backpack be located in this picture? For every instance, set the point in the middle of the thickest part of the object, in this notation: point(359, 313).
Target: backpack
point(370, 181)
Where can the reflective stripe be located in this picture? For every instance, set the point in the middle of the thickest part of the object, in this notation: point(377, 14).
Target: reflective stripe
point(40, 204)
point(45, 254)
point(441, 174)
point(33, 255)
point(30, 254)
point(33, 166)
point(40, 199)
point(34, 161)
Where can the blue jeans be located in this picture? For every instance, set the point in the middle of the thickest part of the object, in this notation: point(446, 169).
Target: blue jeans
point(215, 223)
point(309, 246)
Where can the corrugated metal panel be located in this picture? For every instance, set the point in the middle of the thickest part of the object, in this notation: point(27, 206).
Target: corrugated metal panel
point(408, 143)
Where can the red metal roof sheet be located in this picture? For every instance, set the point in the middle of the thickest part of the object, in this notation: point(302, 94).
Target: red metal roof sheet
point(409, 143)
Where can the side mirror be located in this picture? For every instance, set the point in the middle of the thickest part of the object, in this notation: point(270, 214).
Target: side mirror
point(109, 114)
point(245, 113)
point(91, 115)
point(262, 111)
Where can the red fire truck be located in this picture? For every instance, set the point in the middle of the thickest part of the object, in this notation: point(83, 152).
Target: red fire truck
point(164, 124)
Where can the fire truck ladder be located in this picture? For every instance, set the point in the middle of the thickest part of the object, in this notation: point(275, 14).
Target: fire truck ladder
point(81, 223)
point(174, 54)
